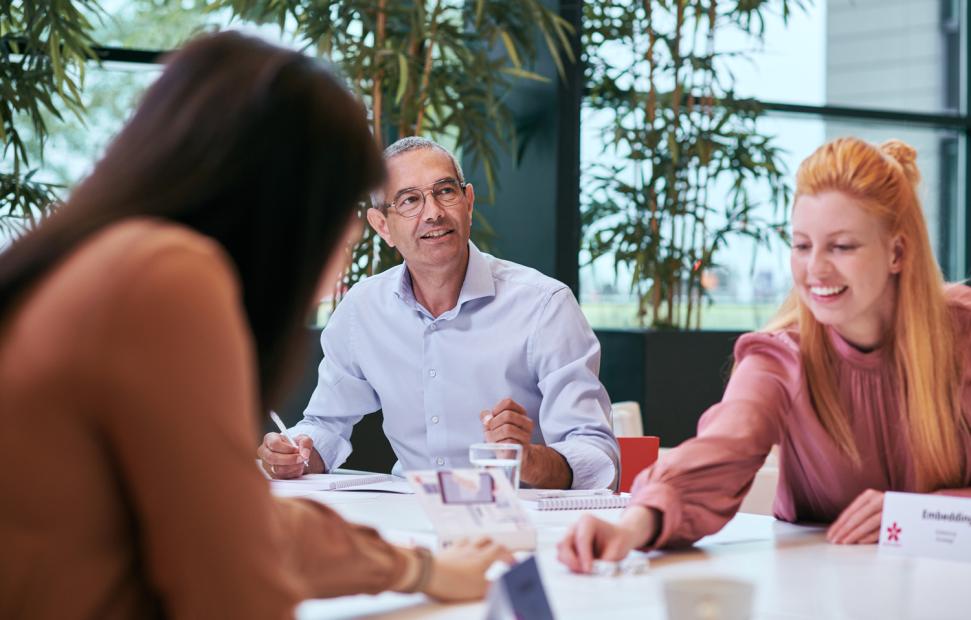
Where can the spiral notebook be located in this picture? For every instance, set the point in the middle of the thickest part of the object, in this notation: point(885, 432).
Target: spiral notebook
point(537, 499)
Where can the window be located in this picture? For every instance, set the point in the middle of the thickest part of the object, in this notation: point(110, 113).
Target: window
point(876, 69)
point(110, 94)
point(873, 68)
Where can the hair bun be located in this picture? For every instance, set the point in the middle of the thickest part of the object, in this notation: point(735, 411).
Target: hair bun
point(905, 155)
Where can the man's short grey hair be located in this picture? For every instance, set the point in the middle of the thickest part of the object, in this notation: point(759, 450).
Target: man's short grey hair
point(406, 145)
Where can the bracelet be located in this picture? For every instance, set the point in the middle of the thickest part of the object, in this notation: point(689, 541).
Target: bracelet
point(424, 574)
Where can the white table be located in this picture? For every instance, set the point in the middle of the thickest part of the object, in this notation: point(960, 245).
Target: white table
point(796, 573)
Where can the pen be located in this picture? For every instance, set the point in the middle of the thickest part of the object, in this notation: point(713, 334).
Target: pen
point(555, 494)
point(283, 431)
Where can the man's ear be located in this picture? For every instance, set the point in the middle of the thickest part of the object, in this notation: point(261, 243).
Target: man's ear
point(897, 250)
point(379, 222)
point(470, 196)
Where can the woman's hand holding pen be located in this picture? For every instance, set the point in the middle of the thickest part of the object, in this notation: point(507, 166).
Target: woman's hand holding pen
point(282, 460)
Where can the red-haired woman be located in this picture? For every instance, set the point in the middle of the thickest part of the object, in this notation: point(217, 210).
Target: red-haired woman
point(863, 379)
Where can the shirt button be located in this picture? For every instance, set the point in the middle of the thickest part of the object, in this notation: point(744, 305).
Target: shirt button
point(440, 461)
point(434, 419)
point(432, 327)
point(432, 373)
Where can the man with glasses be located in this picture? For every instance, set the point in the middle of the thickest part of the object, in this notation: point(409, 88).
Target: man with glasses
point(456, 347)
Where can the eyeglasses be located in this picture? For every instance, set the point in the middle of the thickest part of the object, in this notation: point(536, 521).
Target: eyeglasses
point(410, 202)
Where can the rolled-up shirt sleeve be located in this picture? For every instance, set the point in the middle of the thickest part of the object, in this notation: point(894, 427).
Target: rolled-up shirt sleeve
point(342, 396)
point(575, 411)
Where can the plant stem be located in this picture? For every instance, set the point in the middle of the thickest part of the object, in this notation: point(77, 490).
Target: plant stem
point(376, 86)
point(427, 69)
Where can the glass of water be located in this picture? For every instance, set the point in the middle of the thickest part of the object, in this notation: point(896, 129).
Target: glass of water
point(505, 457)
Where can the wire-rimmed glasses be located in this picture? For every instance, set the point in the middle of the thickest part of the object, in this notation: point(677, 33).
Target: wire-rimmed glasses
point(411, 201)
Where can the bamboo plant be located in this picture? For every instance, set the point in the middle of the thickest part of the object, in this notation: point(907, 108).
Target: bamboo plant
point(686, 161)
point(44, 47)
point(436, 68)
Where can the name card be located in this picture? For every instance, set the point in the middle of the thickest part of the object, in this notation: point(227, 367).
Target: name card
point(469, 503)
point(933, 526)
point(519, 595)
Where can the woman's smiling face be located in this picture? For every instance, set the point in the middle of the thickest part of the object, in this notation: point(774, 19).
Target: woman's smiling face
point(843, 265)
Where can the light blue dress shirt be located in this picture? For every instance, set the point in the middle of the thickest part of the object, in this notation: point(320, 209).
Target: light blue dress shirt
point(513, 333)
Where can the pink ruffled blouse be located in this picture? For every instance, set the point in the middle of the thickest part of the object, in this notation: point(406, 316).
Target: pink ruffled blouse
point(700, 485)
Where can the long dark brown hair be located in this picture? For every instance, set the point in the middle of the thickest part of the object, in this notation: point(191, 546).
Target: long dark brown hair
point(258, 147)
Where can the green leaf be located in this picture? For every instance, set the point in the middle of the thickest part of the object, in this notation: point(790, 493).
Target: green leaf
point(511, 49)
point(528, 75)
point(402, 77)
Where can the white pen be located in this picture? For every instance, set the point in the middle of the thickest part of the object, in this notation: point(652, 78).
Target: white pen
point(558, 493)
point(283, 431)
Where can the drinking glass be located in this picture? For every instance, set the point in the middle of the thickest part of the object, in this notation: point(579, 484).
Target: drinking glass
point(505, 457)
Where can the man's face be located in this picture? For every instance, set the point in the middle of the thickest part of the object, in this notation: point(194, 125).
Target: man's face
point(438, 234)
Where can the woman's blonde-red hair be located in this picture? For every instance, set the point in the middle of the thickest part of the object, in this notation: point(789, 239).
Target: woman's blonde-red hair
point(883, 180)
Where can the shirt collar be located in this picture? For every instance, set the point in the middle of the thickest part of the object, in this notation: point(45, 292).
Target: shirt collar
point(478, 282)
point(404, 290)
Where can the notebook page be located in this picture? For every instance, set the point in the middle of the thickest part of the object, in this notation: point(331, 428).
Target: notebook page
point(330, 482)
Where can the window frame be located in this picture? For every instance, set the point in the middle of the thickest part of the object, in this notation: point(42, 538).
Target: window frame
point(570, 94)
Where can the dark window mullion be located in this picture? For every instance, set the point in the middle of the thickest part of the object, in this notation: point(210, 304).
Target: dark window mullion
point(944, 120)
point(130, 55)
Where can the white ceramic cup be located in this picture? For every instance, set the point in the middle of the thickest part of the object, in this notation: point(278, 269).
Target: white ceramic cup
point(708, 598)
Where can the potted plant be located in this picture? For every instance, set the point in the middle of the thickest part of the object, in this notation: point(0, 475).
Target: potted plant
point(683, 169)
point(434, 68)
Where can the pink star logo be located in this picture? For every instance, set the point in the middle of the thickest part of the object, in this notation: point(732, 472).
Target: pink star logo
point(893, 532)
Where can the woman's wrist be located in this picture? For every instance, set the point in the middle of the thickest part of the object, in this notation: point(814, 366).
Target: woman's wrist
point(418, 571)
point(643, 525)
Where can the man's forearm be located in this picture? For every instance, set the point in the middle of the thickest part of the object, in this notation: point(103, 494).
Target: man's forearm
point(545, 468)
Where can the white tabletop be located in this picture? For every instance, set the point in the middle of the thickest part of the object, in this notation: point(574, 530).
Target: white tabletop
point(797, 575)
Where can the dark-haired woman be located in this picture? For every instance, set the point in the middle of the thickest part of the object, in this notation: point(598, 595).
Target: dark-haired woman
point(145, 325)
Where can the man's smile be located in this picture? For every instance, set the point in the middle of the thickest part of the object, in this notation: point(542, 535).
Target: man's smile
point(438, 233)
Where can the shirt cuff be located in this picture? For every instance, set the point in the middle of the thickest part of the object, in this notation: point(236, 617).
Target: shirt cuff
point(666, 500)
point(333, 449)
point(592, 467)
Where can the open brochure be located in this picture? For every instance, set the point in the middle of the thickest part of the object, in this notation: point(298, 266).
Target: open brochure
point(342, 482)
point(470, 503)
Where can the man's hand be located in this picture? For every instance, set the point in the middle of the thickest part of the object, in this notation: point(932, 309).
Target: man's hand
point(507, 422)
point(542, 467)
point(282, 461)
point(859, 523)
